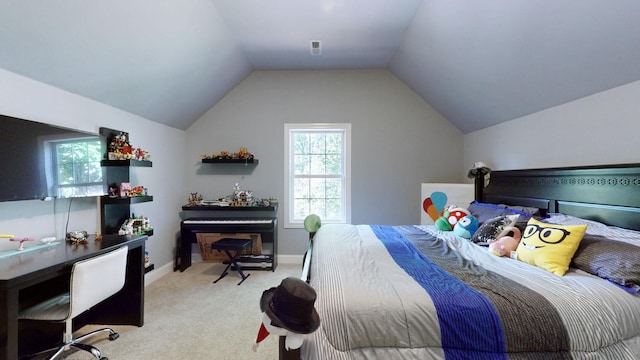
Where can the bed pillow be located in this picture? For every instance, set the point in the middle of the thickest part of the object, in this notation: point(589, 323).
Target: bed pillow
point(550, 246)
point(484, 212)
point(492, 228)
point(531, 211)
point(616, 261)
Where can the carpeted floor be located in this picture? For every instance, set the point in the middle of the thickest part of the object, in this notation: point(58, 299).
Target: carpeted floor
point(189, 317)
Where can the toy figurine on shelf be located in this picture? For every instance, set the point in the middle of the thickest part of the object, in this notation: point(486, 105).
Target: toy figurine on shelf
point(141, 155)
point(114, 190)
point(136, 191)
point(119, 148)
point(243, 153)
point(195, 199)
point(22, 241)
point(135, 225)
point(126, 228)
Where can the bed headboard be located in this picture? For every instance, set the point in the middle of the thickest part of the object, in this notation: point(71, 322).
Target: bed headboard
point(609, 194)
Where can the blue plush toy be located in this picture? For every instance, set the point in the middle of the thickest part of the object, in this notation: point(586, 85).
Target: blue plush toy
point(466, 226)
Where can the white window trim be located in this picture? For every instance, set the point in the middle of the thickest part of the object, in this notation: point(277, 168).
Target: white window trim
point(288, 223)
point(47, 146)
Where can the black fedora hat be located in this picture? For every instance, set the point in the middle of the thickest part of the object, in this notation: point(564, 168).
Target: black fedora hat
point(290, 306)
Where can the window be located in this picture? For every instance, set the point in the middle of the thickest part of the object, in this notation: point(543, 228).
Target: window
point(75, 166)
point(317, 173)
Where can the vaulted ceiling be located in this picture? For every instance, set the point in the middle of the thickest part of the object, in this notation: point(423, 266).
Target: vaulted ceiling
point(478, 63)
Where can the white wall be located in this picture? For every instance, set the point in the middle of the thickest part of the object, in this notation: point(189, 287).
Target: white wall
point(599, 129)
point(24, 98)
point(398, 141)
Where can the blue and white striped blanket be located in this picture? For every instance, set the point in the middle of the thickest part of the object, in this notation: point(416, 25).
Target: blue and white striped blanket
point(408, 292)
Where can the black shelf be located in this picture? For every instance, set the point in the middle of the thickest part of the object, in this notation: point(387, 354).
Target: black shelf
point(127, 163)
point(230, 161)
point(116, 210)
point(126, 200)
point(259, 262)
point(149, 268)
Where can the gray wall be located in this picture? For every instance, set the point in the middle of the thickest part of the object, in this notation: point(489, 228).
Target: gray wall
point(599, 129)
point(398, 140)
point(28, 99)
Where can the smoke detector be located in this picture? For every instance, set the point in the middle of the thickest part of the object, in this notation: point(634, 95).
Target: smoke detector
point(315, 47)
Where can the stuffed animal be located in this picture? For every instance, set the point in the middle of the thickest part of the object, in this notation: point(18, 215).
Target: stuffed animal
point(434, 205)
point(505, 245)
point(288, 310)
point(466, 226)
point(450, 218)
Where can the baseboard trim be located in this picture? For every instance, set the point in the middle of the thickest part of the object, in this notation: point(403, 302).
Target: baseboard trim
point(157, 273)
point(290, 259)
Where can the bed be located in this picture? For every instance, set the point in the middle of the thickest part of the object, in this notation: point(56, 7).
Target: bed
point(415, 292)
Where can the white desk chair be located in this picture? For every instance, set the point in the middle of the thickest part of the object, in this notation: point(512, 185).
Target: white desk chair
point(92, 281)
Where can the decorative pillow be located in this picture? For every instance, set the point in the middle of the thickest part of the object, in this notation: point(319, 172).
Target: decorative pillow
point(492, 228)
point(550, 246)
point(484, 212)
point(612, 260)
point(531, 211)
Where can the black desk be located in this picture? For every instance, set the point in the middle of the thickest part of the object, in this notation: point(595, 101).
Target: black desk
point(31, 277)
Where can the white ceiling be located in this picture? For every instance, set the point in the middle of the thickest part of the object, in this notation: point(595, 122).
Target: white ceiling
point(478, 63)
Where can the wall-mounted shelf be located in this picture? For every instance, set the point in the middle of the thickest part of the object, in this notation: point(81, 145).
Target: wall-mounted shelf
point(126, 200)
point(127, 163)
point(116, 210)
point(148, 268)
point(230, 161)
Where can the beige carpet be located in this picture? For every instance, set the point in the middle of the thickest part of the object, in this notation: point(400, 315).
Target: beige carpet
point(189, 317)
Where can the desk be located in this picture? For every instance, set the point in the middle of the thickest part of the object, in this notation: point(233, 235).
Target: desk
point(31, 277)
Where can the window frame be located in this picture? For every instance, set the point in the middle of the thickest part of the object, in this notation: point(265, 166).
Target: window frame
point(78, 188)
point(289, 176)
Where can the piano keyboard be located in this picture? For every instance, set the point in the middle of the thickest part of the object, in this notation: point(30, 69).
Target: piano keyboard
point(265, 226)
point(239, 221)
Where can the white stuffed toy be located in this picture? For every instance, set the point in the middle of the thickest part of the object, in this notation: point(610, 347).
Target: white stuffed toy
point(287, 310)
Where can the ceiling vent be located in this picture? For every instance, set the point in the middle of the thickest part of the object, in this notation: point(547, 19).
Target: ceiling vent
point(315, 47)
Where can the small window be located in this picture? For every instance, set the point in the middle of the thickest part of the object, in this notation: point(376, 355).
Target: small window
point(317, 178)
point(76, 167)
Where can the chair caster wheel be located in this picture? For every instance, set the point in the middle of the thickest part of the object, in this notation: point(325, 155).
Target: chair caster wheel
point(113, 336)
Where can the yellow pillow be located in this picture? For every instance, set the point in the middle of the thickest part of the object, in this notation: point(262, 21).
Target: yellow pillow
point(550, 246)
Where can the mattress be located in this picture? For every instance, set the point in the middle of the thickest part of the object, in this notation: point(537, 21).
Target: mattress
point(414, 292)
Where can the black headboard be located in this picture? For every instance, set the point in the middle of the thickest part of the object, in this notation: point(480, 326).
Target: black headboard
point(609, 194)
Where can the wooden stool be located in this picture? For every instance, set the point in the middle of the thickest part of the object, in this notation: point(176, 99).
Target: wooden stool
point(227, 245)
